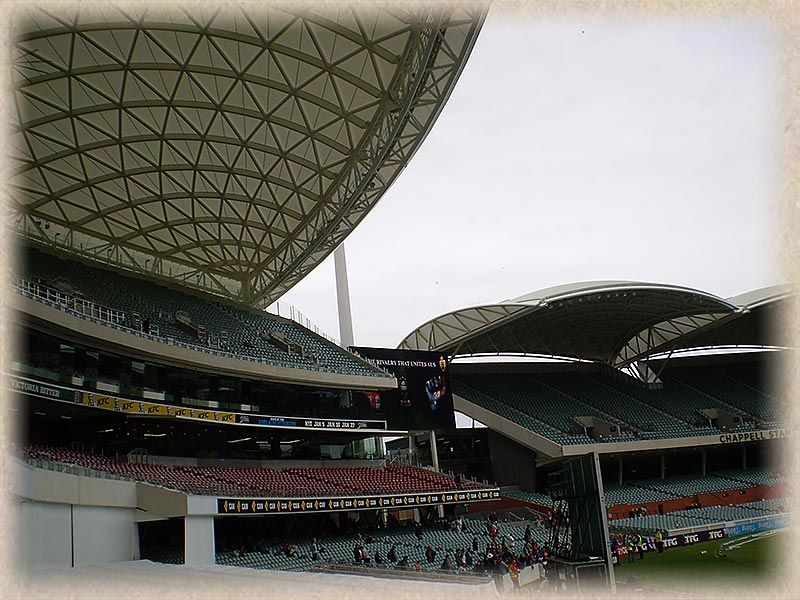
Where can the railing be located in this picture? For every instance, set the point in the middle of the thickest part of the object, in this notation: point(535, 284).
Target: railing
point(69, 469)
point(87, 308)
point(711, 524)
point(393, 572)
point(401, 459)
point(532, 516)
point(61, 301)
point(299, 318)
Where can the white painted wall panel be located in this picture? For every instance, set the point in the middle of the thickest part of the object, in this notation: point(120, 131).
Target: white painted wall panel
point(46, 540)
point(104, 534)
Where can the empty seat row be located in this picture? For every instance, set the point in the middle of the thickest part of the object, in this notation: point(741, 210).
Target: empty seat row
point(290, 482)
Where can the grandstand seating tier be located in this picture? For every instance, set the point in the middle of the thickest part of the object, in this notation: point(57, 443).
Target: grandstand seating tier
point(215, 326)
point(289, 482)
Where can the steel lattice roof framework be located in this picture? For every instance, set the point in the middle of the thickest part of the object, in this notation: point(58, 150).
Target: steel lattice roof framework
point(229, 150)
point(613, 322)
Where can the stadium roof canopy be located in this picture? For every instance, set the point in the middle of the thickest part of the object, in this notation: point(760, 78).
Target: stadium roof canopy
point(613, 322)
point(228, 149)
point(756, 324)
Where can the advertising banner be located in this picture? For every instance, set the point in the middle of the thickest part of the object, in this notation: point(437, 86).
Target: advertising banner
point(39, 389)
point(763, 525)
point(688, 539)
point(753, 436)
point(244, 506)
point(106, 401)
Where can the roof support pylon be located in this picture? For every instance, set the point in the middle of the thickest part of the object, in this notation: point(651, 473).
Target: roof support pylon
point(343, 297)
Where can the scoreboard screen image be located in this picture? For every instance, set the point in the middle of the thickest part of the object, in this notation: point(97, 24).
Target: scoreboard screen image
point(423, 399)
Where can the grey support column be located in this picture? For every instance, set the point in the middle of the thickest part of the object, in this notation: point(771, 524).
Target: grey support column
point(199, 541)
point(343, 297)
point(435, 460)
point(434, 451)
point(744, 456)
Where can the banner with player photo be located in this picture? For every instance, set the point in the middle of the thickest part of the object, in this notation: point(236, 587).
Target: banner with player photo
point(423, 400)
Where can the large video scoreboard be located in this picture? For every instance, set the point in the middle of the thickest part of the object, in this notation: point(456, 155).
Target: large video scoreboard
point(423, 399)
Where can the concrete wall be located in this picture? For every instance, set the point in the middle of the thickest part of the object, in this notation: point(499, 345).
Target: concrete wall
point(735, 496)
point(201, 505)
point(199, 541)
point(512, 464)
point(44, 536)
point(65, 488)
point(161, 502)
point(65, 535)
point(65, 520)
point(509, 429)
point(104, 534)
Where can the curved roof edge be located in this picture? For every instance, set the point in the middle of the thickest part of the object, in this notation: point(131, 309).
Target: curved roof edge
point(763, 296)
point(460, 328)
point(571, 290)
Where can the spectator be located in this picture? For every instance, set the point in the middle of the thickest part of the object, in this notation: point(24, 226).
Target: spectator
point(640, 545)
point(315, 549)
point(527, 557)
point(378, 558)
point(404, 562)
point(392, 555)
point(417, 566)
point(474, 544)
point(513, 571)
point(446, 564)
point(357, 553)
point(491, 527)
point(430, 554)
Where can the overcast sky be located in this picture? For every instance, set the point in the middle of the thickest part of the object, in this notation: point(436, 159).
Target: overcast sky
point(574, 150)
